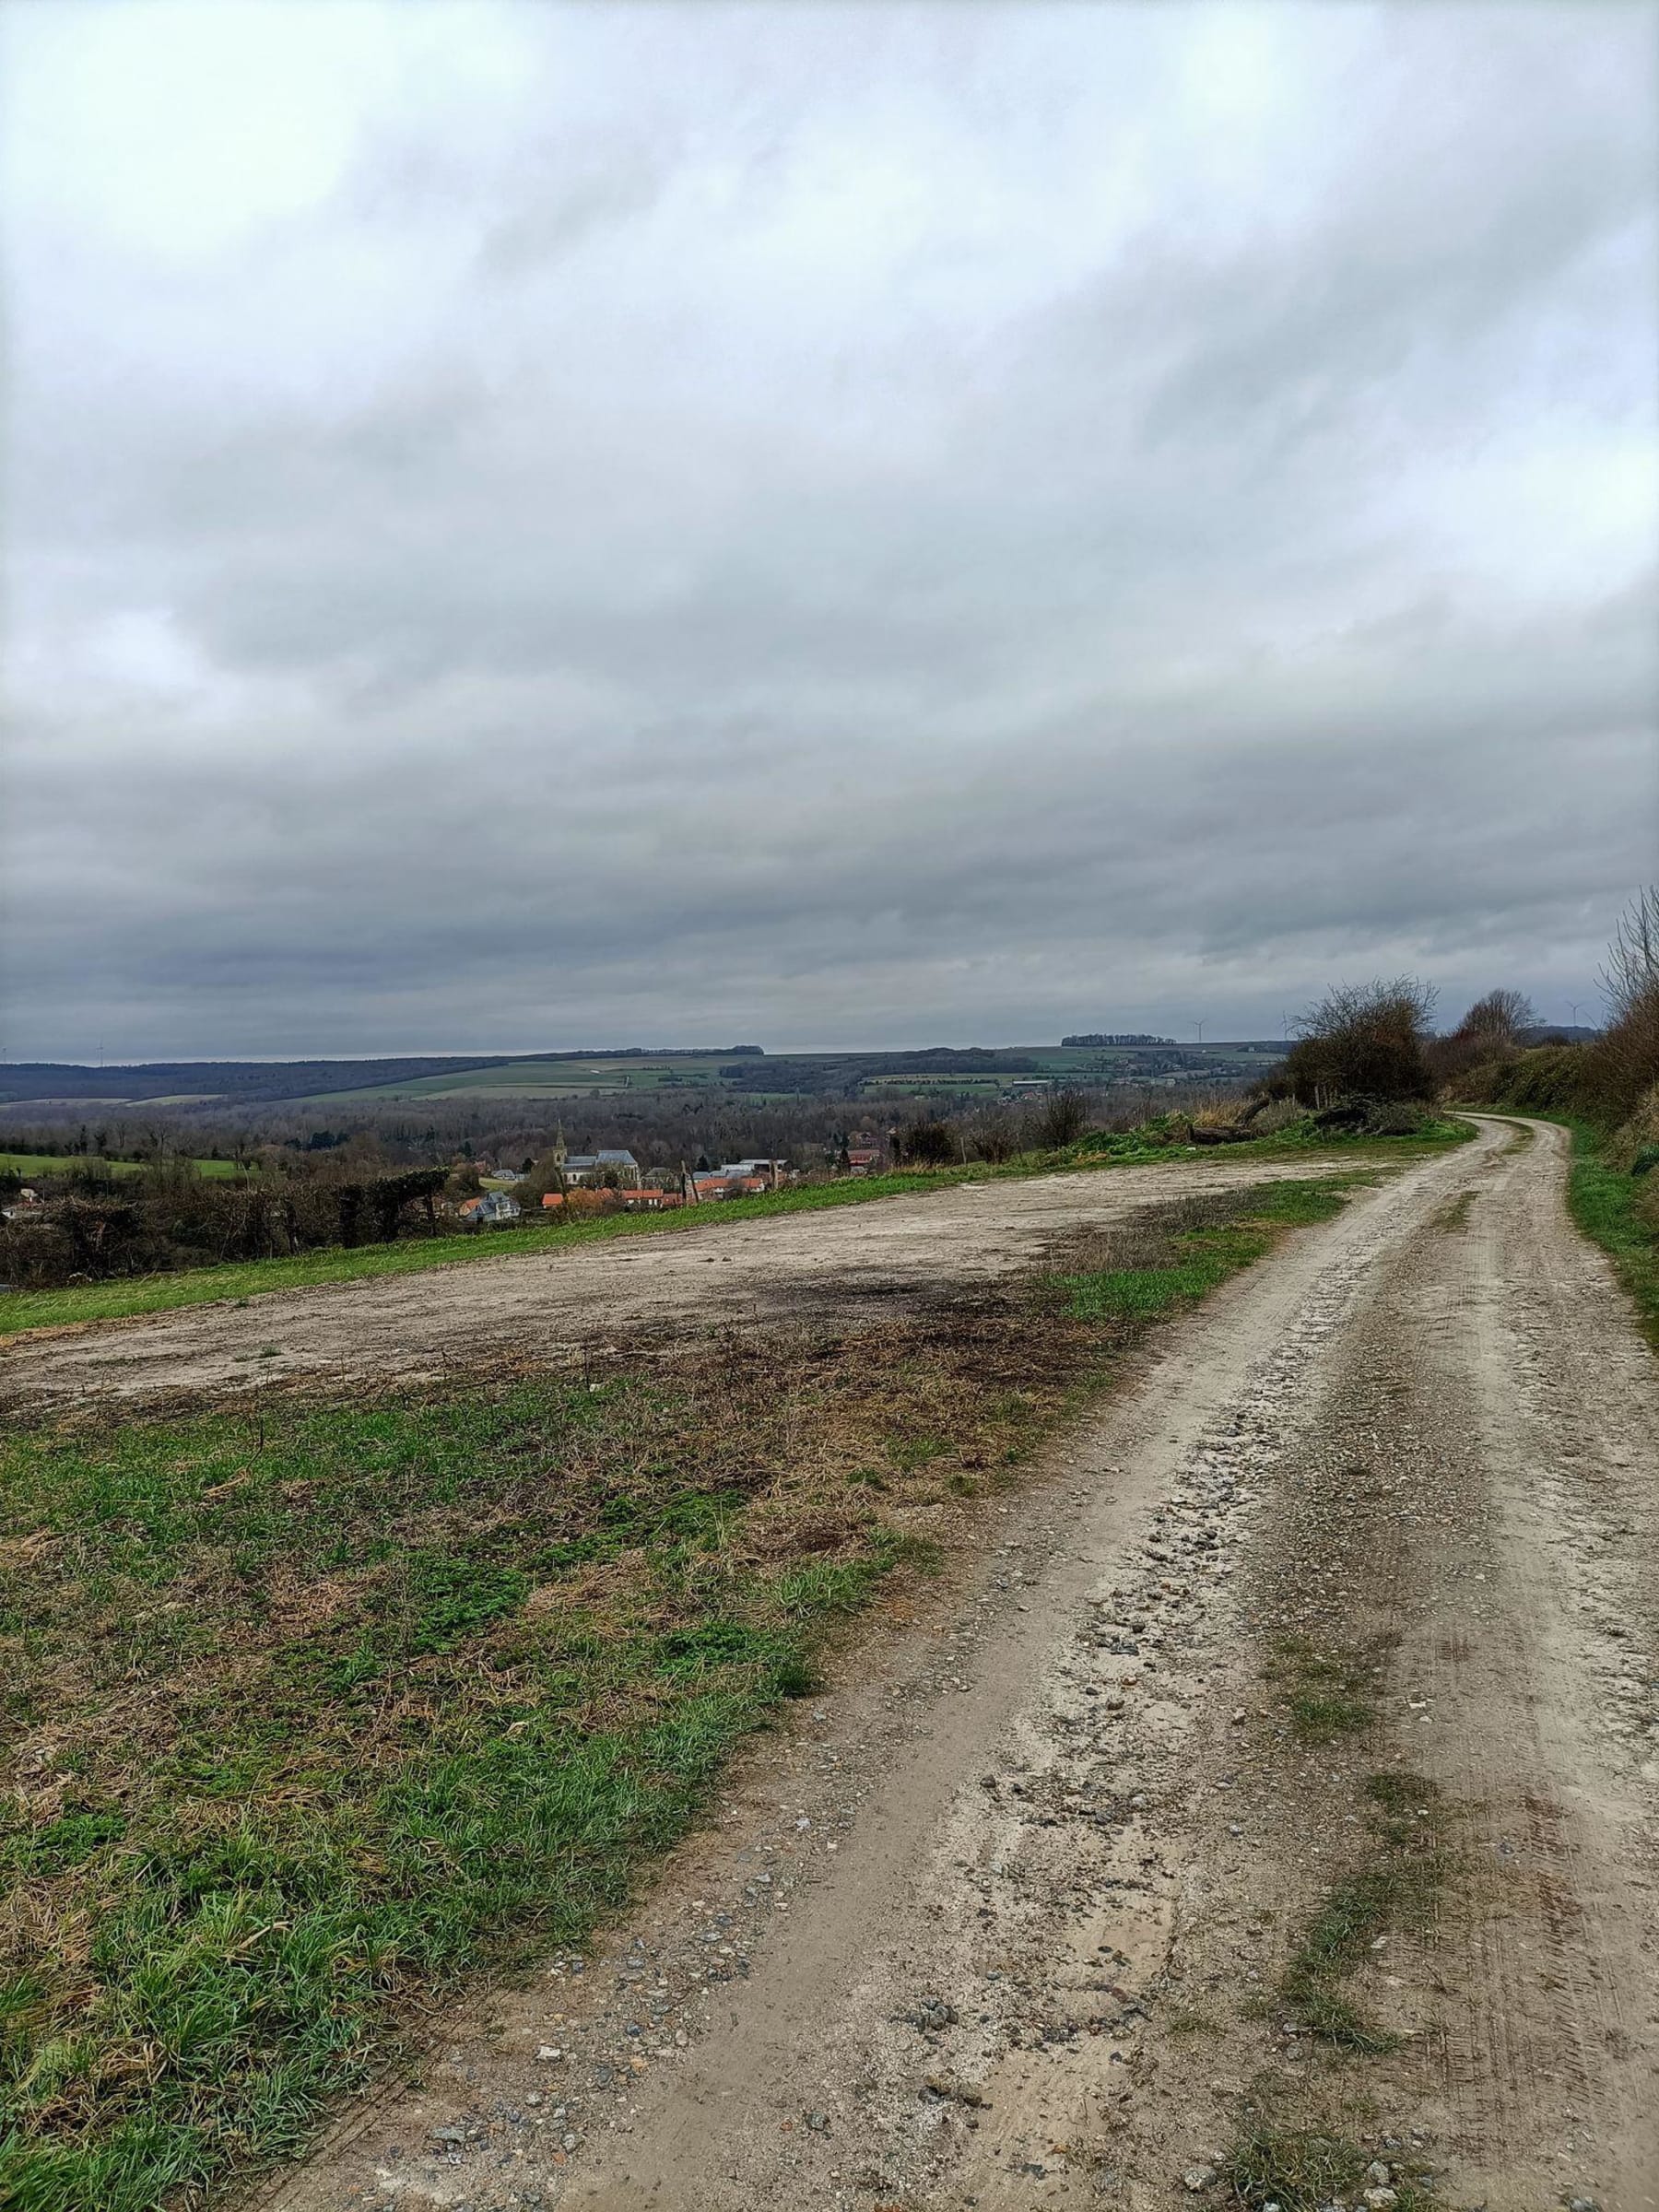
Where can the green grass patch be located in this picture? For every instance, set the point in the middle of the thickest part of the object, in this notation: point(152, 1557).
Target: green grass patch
point(1303, 2168)
point(1194, 2023)
point(347, 1704)
point(1396, 1889)
point(1199, 1260)
point(1297, 2169)
point(1608, 1206)
point(63, 1163)
point(328, 1704)
point(1326, 1694)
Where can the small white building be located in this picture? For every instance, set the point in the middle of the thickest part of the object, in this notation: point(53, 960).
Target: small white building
point(489, 1207)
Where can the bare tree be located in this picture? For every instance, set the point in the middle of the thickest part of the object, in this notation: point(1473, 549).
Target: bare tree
point(1500, 1017)
point(1064, 1118)
point(1630, 975)
point(1621, 1069)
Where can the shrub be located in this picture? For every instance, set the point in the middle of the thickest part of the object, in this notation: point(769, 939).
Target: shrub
point(1274, 1115)
point(1363, 1040)
point(1062, 1120)
point(995, 1142)
point(1396, 1117)
point(927, 1144)
point(1546, 1080)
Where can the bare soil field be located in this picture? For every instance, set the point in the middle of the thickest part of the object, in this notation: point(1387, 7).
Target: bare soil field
point(830, 1265)
point(1268, 1818)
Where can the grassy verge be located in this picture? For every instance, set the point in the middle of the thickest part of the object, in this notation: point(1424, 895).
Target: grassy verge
point(1166, 1272)
point(21, 1310)
point(1607, 1205)
point(320, 1705)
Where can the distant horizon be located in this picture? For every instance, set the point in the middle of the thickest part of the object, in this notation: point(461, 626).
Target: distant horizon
point(604, 1052)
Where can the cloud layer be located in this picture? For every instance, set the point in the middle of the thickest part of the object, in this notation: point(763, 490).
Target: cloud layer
point(535, 525)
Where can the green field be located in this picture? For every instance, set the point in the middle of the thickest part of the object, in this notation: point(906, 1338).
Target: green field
point(60, 1163)
point(846, 1073)
point(547, 1079)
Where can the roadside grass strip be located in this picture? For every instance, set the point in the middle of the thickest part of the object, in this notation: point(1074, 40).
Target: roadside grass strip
point(121, 1298)
point(1608, 1205)
point(1200, 1259)
point(316, 1705)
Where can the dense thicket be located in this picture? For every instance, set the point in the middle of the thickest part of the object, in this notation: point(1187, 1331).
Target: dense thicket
point(1362, 1040)
point(93, 1224)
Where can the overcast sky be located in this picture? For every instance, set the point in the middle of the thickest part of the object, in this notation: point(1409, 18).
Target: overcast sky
point(538, 525)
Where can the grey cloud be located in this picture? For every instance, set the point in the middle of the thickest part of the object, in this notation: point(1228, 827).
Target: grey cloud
point(628, 639)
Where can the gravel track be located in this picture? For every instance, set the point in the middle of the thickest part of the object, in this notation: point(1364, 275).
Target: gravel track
point(990, 1926)
point(839, 1264)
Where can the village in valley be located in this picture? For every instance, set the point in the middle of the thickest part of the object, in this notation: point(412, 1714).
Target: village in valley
point(565, 1183)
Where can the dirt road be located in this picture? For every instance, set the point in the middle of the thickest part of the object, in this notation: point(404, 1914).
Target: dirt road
point(832, 1264)
point(1003, 1921)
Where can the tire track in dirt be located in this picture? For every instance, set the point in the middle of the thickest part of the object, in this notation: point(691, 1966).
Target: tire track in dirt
point(1464, 1467)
